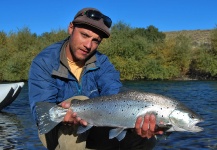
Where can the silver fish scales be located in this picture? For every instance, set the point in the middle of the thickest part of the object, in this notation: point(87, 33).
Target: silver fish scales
point(121, 111)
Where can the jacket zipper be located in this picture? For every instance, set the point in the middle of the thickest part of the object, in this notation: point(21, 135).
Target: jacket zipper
point(80, 79)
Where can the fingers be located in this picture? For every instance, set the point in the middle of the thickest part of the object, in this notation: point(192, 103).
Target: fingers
point(138, 125)
point(83, 122)
point(71, 117)
point(65, 104)
point(152, 125)
point(146, 127)
point(159, 132)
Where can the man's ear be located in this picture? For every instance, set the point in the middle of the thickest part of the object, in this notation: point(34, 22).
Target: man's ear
point(70, 28)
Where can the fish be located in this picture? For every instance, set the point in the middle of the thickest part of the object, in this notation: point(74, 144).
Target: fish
point(120, 111)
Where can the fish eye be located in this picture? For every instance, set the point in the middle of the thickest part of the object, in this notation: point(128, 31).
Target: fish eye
point(191, 116)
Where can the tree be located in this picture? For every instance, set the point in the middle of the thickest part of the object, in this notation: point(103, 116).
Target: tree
point(3, 39)
point(153, 35)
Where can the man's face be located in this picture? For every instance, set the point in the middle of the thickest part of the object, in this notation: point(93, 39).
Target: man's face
point(82, 42)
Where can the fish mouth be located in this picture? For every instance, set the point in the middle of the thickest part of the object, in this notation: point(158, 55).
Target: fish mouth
point(194, 128)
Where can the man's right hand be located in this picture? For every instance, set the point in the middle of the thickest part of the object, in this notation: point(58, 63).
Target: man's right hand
point(71, 117)
point(145, 127)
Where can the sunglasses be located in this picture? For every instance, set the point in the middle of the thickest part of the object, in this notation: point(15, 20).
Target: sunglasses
point(96, 15)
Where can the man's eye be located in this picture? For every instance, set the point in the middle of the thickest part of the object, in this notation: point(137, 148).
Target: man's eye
point(96, 41)
point(84, 35)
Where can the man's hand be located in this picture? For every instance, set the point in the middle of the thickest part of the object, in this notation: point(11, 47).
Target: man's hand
point(71, 117)
point(147, 129)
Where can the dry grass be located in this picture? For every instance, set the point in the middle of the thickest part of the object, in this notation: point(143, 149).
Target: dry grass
point(197, 36)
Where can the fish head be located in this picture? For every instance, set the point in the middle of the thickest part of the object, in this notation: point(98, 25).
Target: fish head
point(184, 119)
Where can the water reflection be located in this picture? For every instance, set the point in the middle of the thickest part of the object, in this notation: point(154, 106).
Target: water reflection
point(10, 129)
point(17, 128)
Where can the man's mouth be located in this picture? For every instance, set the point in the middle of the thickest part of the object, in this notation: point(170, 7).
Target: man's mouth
point(84, 51)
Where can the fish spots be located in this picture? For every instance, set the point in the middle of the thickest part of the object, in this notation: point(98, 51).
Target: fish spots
point(78, 108)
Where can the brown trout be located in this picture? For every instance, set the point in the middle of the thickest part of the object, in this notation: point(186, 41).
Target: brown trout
point(120, 111)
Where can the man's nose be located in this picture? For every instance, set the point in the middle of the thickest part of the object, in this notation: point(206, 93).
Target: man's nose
point(88, 44)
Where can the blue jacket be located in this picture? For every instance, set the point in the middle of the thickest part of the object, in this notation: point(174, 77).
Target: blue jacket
point(51, 81)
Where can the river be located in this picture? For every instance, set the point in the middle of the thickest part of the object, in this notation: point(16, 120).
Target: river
point(18, 131)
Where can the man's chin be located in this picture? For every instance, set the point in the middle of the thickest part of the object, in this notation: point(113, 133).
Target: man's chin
point(84, 57)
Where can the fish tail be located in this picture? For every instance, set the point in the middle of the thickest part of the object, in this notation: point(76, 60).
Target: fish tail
point(45, 124)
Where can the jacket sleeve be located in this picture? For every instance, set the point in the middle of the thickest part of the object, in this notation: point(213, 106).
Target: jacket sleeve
point(42, 87)
point(108, 78)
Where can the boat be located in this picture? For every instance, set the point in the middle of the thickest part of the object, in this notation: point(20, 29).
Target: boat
point(9, 92)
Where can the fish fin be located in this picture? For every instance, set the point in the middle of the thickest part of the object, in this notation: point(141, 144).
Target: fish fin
point(45, 124)
point(82, 129)
point(119, 133)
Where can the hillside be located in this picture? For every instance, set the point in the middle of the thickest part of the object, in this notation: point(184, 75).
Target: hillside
point(198, 36)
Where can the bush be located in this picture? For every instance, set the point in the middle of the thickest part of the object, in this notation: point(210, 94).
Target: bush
point(138, 53)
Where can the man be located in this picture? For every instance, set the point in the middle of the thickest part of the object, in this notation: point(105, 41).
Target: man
point(74, 67)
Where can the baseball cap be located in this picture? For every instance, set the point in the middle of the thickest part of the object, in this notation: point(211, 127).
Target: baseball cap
point(94, 18)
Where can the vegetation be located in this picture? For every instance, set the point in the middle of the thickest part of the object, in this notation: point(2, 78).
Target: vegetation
point(138, 53)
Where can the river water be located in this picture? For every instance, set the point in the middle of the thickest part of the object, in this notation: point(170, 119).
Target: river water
point(18, 131)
